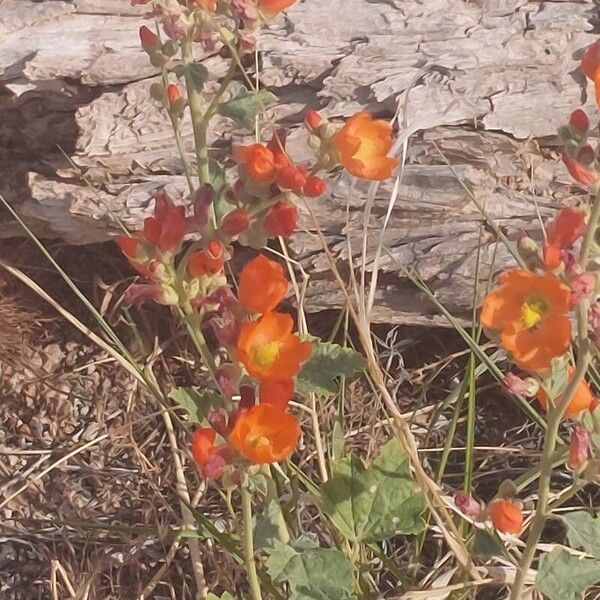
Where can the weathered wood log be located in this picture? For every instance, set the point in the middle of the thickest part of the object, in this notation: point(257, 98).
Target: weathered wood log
point(483, 84)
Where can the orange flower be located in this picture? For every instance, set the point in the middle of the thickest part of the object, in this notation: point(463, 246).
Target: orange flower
point(590, 65)
point(269, 350)
point(262, 285)
point(272, 7)
point(530, 312)
point(258, 160)
point(265, 434)
point(506, 516)
point(276, 392)
point(561, 234)
point(363, 144)
point(582, 399)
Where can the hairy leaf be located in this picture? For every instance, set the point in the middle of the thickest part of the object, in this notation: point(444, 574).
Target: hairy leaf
point(194, 73)
point(562, 576)
point(244, 106)
point(197, 402)
point(375, 502)
point(311, 573)
point(583, 531)
point(328, 361)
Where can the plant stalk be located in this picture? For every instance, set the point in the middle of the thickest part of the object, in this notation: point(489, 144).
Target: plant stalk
point(249, 563)
point(198, 122)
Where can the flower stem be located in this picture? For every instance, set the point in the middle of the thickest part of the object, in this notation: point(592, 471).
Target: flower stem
point(196, 111)
point(249, 546)
point(556, 414)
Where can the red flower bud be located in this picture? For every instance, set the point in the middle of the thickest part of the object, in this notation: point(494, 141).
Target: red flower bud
point(314, 187)
point(291, 178)
point(313, 119)
point(281, 220)
point(148, 39)
point(235, 222)
point(579, 122)
point(173, 94)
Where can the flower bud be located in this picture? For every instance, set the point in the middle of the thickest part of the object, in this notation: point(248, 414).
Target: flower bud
point(314, 187)
point(516, 386)
point(281, 220)
point(218, 419)
point(528, 251)
point(579, 449)
point(291, 178)
point(149, 40)
point(579, 123)
point(173, 94)
point(506, 516)
point(202, 198)
point(467, 505)
point(586, 155)
point(235, 222)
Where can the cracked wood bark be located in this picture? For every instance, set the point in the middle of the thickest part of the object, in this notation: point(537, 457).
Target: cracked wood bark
point(486, 82)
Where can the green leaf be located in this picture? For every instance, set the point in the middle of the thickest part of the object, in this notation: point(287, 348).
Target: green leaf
point(266, 529)
point(243, 106)
point(376, 502)
point(583, 531)
point(197, 402)
point(195, 74)
point(327, 362)
point(562, 576)
point(225, 596)
point(487, 544)
point(311, 573)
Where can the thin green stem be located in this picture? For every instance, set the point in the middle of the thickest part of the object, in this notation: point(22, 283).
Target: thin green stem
point(177, 133)
point(556, 414)
point(251, 572)
point(199, 124)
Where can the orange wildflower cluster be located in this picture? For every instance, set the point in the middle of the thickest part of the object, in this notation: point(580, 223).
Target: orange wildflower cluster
point(272, 355)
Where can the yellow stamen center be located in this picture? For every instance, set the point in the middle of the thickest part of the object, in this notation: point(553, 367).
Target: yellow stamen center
point(260, 441)
point(266, 354)
point(533, 310)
